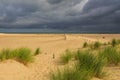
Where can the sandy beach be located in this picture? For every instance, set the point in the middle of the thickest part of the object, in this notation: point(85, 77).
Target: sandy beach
point(49, 44)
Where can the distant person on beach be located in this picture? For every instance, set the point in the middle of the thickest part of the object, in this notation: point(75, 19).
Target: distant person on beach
point(65, 36)
point(53, 55)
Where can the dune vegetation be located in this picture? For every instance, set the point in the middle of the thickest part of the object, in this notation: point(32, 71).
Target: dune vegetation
point(66, 56)
point(22, 55)
point(85, 45)
point(37, 51)
point(85, 67)
point(87, 64)
point(111, 54)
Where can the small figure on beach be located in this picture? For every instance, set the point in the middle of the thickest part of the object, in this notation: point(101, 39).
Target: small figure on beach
point(53, 55)
point(65, 36)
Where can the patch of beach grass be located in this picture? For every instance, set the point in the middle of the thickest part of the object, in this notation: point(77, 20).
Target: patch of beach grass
point(70, 74)
point(114, 42)
point(6, 54)
point(97, 45)
point(112, 55)
point(65, 57)
point(105, 43)
point(37, 51)
point(22, 55)
point(86, 67)
point(88, 63)
point(78, 52)
point(85, 45)
point(92, 63)
point(118, 41)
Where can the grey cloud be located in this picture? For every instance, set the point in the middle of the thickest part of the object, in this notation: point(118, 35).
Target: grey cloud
point(54, 1)
point(60, 14)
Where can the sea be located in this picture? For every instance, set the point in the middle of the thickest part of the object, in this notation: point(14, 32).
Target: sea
point(53, 31)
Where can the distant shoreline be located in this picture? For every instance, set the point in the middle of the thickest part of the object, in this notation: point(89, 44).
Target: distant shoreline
point(59, 32)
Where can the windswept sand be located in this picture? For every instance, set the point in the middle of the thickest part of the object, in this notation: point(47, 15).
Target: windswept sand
point(44, 63)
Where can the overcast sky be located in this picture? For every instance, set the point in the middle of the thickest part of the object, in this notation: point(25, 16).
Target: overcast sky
point(61, 14)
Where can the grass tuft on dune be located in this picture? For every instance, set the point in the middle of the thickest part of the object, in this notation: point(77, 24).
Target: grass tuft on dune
point(86, 66)
point(85, 45)
point(111, 54)
point(22, 55)
point(70, 74)
point(114, 42)
point(6, 54)
point(94, 64)
point(65, 57)
point(37, 51)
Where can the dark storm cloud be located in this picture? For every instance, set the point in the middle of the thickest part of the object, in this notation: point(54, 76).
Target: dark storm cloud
point(54, 1)
point(60, 14)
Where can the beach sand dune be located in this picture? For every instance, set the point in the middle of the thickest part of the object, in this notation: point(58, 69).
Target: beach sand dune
point(44, 63)
point(12, 70)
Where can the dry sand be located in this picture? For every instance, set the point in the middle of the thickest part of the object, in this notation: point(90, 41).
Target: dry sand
point(44, 63)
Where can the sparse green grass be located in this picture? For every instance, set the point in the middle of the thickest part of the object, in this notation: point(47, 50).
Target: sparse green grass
point(6, 54)
point(91, 46)
point(92, 63)
point(105, 44)
point(118, 41)
point(97, 45)
point(109, 43)
point(87, 66)
point(65, 58)
point(37, 51)
point(114, 42)
point(70, 74)
point(89, 63)
point(85, 45)
point(111, 54)
point(22, 55)
point(77, 53)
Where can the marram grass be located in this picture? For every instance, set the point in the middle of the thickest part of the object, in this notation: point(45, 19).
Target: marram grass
point(66, 57)
point(6, 54)
point(24, 55)
point(97, 45)
point(92, 63)
point(85, 45)
point(70, 74)
point(86, 67)
point(111, 54)
point(21, 54)
point(114, 42)
point(37, 51)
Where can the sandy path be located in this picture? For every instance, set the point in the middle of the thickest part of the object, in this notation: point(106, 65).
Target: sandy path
point(42, 67)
